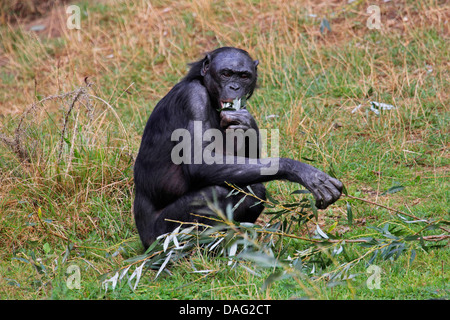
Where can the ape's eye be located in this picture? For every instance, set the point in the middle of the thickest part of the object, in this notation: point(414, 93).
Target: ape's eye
point(226, 74)
point(244, 76)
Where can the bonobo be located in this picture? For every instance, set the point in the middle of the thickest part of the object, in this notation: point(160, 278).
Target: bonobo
point(211, 98)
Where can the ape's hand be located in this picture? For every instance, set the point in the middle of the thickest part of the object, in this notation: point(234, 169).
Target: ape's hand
point(325, 189)
point(239, 119)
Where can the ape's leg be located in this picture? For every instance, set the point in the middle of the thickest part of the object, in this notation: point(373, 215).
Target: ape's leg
point(248, 211)
point(151, 223)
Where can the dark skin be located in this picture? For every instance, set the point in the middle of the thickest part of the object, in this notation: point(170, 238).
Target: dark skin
point(167, 191)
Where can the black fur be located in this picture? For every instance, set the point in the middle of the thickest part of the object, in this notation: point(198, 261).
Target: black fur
point(167, 191)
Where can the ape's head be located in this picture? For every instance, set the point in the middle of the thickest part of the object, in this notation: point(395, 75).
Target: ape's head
point(229, 74)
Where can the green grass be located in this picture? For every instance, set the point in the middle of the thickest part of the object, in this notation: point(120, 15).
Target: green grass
point(76, 208)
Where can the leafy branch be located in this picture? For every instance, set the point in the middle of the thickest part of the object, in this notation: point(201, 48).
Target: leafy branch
point(253, 247)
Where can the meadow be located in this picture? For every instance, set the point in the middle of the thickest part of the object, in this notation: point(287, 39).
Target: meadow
point(368, 105)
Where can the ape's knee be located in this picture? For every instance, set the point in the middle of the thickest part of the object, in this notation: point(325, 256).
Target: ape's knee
point(259, 190)
point(250, 209)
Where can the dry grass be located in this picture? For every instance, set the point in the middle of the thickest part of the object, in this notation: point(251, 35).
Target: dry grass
point(79, 152)
point(162, 37)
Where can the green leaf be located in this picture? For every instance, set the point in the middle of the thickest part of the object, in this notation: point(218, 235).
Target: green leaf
point(331, 228)
point(236, 206)
point(298, 264)
point(332, 172)
point(370, 242)
point(393, 189)
point(46, 248)
point(271, 199)
point(260, 258)
point(413, 256)
point(229, 211)
point(324, 24)
point(272, 278)
point(169, 255)
point(349, 215)
point(411, 238)
point(372, 259)
point(279, 212)
point(314, 208)
point(20, 259)
point(237, 104)
point(321, 233)
point(303, 191)
point(394, 248)
point(430, 227)
point(67, 252)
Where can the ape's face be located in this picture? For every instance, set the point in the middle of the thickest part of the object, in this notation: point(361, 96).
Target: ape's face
point(229, 75)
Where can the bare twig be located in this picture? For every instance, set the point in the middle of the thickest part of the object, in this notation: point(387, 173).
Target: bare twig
point(78, 93)
point(15, 145)
point(18, 148)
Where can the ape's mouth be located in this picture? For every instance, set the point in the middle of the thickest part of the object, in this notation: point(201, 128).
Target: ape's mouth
point(233, 104)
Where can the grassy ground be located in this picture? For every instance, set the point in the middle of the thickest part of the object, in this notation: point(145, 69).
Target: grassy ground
point(66, 185)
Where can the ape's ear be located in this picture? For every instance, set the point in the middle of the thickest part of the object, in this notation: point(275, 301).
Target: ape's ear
point(256, 62)
point(205, 67)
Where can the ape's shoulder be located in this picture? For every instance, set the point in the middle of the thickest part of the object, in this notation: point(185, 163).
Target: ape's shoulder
point(197, 99)
point(196, 90)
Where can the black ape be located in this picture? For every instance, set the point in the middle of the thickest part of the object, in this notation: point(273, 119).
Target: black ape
point(169, 189)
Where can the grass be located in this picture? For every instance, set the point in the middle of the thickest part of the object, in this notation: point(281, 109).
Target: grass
point(70, 202)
